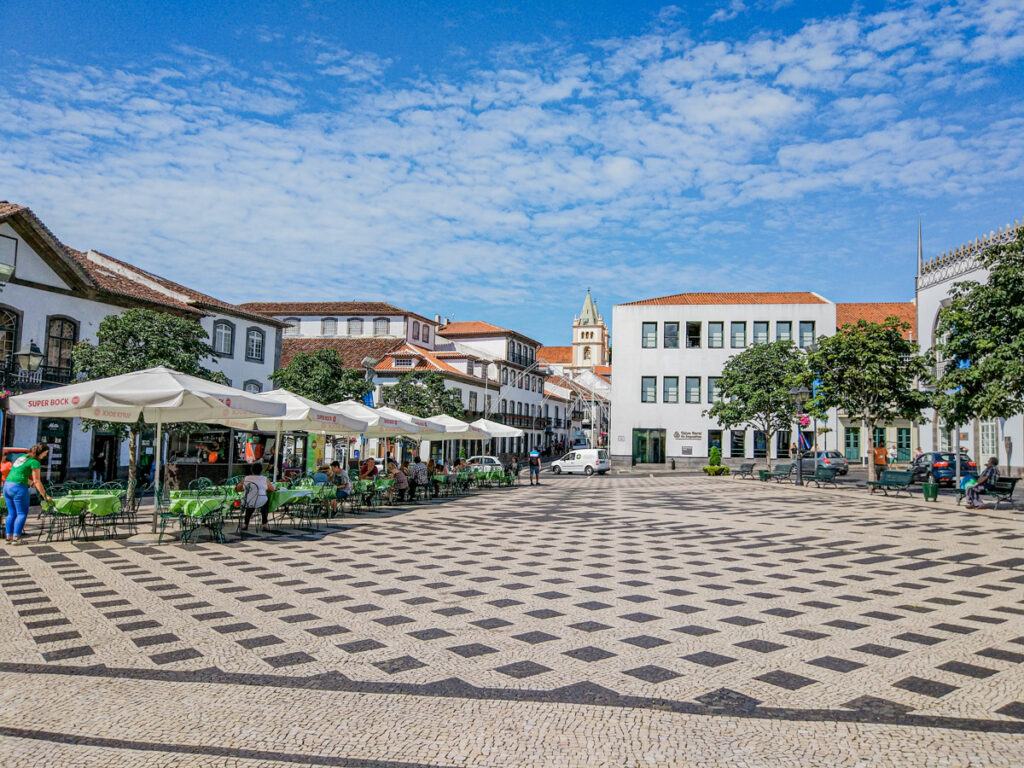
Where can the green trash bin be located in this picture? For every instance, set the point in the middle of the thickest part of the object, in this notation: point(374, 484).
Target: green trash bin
point(763, 475)
point(931, 491)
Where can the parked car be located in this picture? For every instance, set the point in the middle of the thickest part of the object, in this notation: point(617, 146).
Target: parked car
point(940, 467)
point(834, 459)
point(585, 460)
point(485, 463)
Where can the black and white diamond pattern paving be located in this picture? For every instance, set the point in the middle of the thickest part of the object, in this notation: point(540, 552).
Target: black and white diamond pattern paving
point(732, 596)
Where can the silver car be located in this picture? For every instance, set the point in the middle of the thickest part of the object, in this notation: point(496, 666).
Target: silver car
point(832, 459)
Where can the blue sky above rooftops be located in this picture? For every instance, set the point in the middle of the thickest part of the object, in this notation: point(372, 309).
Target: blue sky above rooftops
point(493, 160)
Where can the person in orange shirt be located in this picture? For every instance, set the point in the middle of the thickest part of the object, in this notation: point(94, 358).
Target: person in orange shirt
point(881, 458)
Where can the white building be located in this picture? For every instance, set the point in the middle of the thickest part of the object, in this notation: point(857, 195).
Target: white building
point(669, 353)
point(511, 363)
point(57, 296)
point(982, 438)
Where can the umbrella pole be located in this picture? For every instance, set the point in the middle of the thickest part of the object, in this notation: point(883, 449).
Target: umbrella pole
point(277, 451)
point(157, 469)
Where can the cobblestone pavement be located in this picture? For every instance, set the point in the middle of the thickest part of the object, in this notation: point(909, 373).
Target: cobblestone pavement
point(619, 621)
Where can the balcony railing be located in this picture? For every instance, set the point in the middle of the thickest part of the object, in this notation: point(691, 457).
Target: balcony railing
point(44, 377)
point(522, 360)
point(523, 422)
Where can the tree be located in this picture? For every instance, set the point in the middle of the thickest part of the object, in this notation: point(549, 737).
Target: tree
point(979, 346)
point(870, 371)
point(134, 341)
point(321, 376)
point(423, 394)
point(754, 388)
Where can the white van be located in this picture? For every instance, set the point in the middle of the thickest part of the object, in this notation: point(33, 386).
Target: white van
point(585, 460)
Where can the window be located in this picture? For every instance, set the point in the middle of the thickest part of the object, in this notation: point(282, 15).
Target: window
point(469, 367)
point(381, 326)
point(586, 353)
point(806, 334)
point(416, 330)
point(693, 335)
point(760, 445)
point(877, 436)
point(61, 335)
point(254, 342)
point(671, 340)
point(987, 442)
point(737, 443)
point(784, 331)
point(8, 334)
point(649, 336)
point(487, 404)
point(252, 386)
point(738, 335)
point(670, 389)
point(472, 401)
point(504, 406)
point(713, 394)
point(716, 334)
point(403, 362)
point(760, 337)
point(504, 375)
point(426, 333)
point(648, 389)
point(355, 326)
point(224, 338)
point(329, 326)
point(291, 326)
point(693, 389)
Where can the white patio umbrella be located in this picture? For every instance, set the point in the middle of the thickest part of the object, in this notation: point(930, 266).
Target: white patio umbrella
point(455, 429)
point(156, 395)
point(381, 424)
point(429, 428)
point(301, 415)
point(494, 429)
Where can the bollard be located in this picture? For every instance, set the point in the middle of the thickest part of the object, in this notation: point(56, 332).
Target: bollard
point(673, 462)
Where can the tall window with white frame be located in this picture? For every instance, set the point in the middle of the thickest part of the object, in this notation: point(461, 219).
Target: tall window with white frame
point(61, 335)
point(254, 344)
point(223, 338)
point(649, 335)
point(648, 389)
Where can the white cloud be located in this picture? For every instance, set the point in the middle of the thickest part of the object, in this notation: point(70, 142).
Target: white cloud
point(636, 157)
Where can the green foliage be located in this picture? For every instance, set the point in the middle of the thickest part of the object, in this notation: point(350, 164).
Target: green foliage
point(754, 388)
point(423, 394)
point(715, 456)
point(322, 377)
point(870, 371)
point(134, 341)
point(984, 325)
point(714, 470)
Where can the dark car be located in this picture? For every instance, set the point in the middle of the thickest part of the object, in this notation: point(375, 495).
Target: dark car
point(940, 467)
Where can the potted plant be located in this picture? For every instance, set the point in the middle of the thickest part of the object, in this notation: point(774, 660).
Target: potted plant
point(715, 466)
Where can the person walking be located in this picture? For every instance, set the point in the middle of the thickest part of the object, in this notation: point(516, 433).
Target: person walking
point(99, 467)
point(986, 479)
point(534, 467)
point(892, 455)
point(26, 471)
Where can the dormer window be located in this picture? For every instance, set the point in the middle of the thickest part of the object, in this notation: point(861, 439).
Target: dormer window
point(355, 326)
point(380, 326)
point(329, 326)
point(404, 362)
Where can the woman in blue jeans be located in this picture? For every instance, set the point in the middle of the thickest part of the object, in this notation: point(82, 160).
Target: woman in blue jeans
point(25, 472)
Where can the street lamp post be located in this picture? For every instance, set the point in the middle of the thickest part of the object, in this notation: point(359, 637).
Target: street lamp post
point(798, 396)
point(29, 358)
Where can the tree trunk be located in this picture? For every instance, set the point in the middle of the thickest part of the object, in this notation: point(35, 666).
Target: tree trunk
point(768, 453)
point(869, 438)
point(133, 462)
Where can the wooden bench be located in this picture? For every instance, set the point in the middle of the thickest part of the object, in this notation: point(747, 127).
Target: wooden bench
point(1002, 490)
point(782, 472)
point(892, 480)
point(746, 470)
point(825, 475)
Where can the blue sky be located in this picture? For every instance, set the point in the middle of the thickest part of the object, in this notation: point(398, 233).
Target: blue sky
point(493, 160)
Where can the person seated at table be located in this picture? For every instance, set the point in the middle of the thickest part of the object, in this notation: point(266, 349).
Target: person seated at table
point(401, 476)
point(320, 476)
point(337, 477)
point(255, 489)
point(368, 470)
point(419, 478)
point(440, 470)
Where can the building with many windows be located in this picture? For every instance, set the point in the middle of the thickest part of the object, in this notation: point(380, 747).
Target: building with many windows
point(56, 296)
point(982, 438)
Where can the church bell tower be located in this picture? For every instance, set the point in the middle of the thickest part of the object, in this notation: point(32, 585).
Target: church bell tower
point(589, 337)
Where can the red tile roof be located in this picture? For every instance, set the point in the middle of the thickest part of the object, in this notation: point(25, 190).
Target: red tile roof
point(352, 351)
point(477, 328)
point(876, 312)
point(301, 308)
point(784, 297)
point(560, 355)
point(603, 370)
